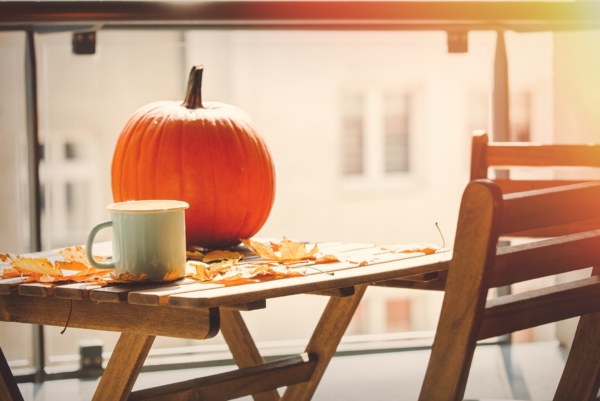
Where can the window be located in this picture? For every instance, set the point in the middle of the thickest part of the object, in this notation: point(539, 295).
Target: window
point(375, 133)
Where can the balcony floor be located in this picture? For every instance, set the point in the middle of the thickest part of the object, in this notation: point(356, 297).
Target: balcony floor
point(522, 371)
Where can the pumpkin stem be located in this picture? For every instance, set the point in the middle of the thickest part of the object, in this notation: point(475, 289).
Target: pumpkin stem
point(193, 95)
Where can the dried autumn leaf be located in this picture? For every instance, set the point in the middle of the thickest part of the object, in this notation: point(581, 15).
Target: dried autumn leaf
point(41, 266)
point(326, 259)
point(260, 250)
point(10, 273)
point(71, 265)
point(171, 275)
point(423, 247)
point(133, 278)
point(274, 246)
point(221, 255)
point(46, 279)
point(77, 254)
point(361, 260)
point(196, 255)
point(291, 250)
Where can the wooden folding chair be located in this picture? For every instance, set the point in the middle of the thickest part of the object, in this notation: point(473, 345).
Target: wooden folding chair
point(478, 265)
point(505, 155)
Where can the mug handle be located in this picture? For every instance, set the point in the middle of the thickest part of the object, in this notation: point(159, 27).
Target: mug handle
point(90, 243)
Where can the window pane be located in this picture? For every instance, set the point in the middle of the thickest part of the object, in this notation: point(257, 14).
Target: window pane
point(396, 133)
point(352, 134)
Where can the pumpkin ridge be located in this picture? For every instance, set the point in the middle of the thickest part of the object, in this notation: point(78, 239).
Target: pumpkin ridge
point(120, 157)
point(238, 134)
point(127, 161)
point(160, 135)
point(140, 165)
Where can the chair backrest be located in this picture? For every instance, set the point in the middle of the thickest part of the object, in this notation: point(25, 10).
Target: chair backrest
point(505, 155)
point(477, 265)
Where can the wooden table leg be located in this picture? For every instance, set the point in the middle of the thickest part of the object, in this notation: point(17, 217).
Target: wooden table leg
point(9, 390)
point(324, 341)
point(123, 367)
point(242, 347)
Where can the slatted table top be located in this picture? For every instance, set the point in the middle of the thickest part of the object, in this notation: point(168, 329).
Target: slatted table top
point(191, 294)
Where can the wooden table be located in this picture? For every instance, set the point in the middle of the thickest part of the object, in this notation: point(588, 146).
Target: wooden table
point(188, 309)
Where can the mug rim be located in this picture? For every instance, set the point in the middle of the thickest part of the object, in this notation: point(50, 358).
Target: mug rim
point(147, 206)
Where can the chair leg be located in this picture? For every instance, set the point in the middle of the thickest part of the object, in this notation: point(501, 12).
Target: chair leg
point(465, 297)
point(580, 380)
point(9, 390)
point(242, 347)
point(123, 367)
point(324, 341)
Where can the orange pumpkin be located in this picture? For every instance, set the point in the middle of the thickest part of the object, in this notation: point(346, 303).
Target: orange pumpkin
point(209, 155)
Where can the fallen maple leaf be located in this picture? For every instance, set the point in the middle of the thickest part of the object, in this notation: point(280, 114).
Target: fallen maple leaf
point(77, 254)
point(171, 275)
point(423, 247)
point(196, 255)
point(287, 251)
point(41, 266)
point(221, 255)
point(128, 277)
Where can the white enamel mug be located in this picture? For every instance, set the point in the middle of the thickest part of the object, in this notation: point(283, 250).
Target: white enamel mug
point(148, 238)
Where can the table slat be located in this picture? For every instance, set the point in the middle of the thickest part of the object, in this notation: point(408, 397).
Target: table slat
point(119, 293)
point(377, 271)
point(160, 296)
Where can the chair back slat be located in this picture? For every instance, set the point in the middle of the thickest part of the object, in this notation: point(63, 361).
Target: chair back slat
point(523, 262)
point(550, 207)
point(536, 155)
point(511, 186)
point(533, 308)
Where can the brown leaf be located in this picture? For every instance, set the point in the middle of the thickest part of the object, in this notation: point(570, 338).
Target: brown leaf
point(77, 254)
point(133, 278)
point(10, 273)
point(196, 255)
point(221, 255)
point(46, 279)
point(260, 250)
point(423, 247)
point(326, 259)
point(171, 275)
point(40, 266)
point(71, 265)
point(274, 246)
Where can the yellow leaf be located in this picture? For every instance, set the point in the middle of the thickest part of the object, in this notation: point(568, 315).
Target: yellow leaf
point(41, 266)
point(77, 254)
point(171, 275)
point(221, 255)
point(92, 271)
point(274, 246)
point(423, 247)
point(71, 265)
point(46, 279)
point(326, 259)
point(10, 273)
point(196, 255)
point(133, 278)
point(260, 250)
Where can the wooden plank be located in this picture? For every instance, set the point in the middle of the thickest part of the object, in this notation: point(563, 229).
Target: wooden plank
point(545, 258)
point(325, 340)
point(336, 292)
point(535, 155)
point(243, 348)
point(119, 293)
point(123, 367)
point(581, 377)
point(423, 277)
point(160, 296)
point(375, 272)
point(36, 289)
point(511, 186)
point(438, 284)
point(558, 230)
point(239, 383)
point(9, 390)
point(550, 207)
point(122, 317)
point(479, 166)
point(466, 292)
point(534, 308)
point(8, 285)
point(248, 306)
point(77, 291)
